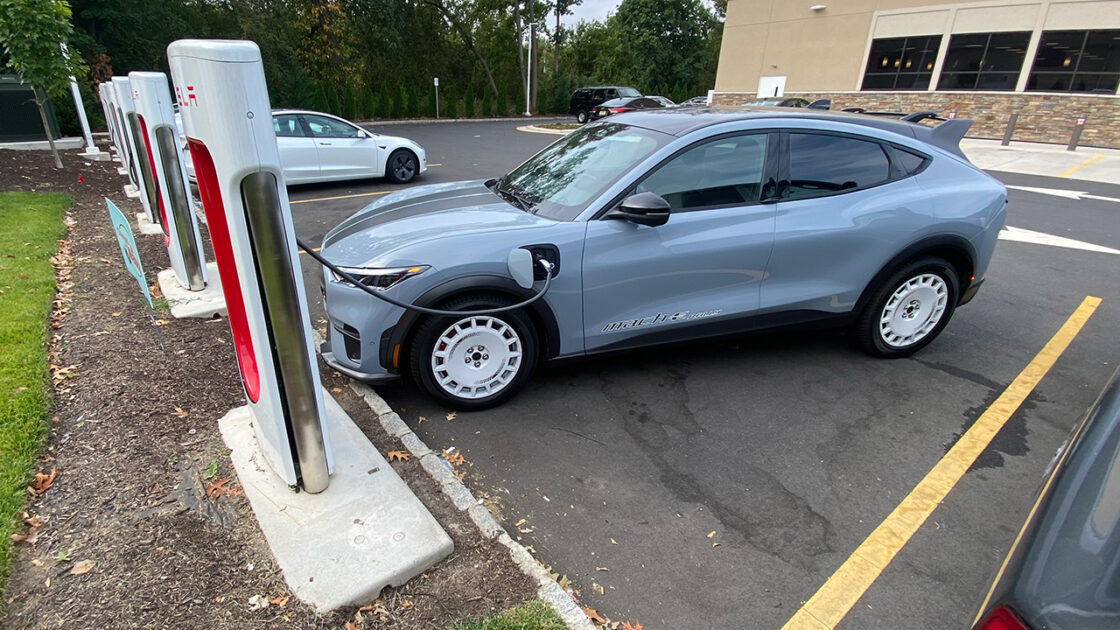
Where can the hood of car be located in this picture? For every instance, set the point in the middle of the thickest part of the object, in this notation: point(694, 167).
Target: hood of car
point(420, 215)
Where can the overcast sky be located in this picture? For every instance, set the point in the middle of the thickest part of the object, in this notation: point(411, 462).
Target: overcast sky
point(590, 10)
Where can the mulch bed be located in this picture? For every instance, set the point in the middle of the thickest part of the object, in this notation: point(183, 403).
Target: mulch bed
point(130, 537)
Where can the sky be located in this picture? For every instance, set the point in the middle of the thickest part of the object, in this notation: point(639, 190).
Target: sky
point(590, 10)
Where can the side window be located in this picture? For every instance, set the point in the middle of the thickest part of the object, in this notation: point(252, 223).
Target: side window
point(323, 127)
point(601, 95)
point(823, 165)
point(287, 126)
point(908, 162)
point(721, 172)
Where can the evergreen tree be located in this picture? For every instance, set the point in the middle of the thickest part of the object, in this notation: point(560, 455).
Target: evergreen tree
point(431, 102)
point(413, 103)
point(400, 103)
point(333, 106)
point(384, 103)
point(451, 105)
point(469, 111)
point(487, 103)
point(350, 103)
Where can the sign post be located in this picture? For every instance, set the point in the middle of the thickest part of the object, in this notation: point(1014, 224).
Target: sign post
point(165, 160)
point(222, 96)
point(436, 81)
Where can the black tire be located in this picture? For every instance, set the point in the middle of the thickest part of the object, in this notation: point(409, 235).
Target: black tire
point(402, 166)
point(919, 298)
point(582, 116)
point(430, 331)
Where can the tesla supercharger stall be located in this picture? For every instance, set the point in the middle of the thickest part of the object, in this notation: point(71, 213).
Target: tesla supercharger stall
point(223, 99)
point(122, 96)
point(103, 98)
point(111, 118)
point(164, 155)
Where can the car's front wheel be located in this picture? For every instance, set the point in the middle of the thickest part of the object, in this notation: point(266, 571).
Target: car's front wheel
point(582, 116)
point(402, 166)
point(477, 361)
point(909, 310)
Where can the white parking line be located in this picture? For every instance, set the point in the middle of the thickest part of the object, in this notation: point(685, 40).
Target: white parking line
point(1041, 238)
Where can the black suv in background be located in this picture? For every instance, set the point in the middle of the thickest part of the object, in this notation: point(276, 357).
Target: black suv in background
point(586, 99)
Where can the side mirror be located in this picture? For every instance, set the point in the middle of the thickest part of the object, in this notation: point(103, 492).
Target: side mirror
point(362, 133)
point(643, 208)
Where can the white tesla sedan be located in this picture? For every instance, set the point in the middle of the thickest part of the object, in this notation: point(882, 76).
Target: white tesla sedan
point(318, 147)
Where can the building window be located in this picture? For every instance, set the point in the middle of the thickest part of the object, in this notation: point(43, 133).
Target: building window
point(984, 61)
point(901, 63)
point(1077, 61)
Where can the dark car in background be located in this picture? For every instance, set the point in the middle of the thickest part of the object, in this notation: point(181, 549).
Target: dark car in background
point(778, 102)
point(620, 105)
point(586, 99)
point(1063, 570)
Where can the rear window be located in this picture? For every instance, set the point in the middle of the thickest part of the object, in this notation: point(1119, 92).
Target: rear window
point(822, 165)
point(628, 92)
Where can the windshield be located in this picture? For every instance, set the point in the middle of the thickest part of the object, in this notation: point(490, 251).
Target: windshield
point(560, 181)
point(628, 92)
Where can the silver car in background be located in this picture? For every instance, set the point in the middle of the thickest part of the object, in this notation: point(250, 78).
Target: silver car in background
point(667, 225)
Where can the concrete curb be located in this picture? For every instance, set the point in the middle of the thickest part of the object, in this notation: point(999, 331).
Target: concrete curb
point(440, 121)
point(536, 129)
point(547, 588)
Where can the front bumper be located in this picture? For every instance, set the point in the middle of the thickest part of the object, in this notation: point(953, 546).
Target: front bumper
point(357, 323)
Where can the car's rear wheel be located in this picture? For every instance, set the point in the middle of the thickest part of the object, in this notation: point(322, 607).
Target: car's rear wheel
point(402, 166)
point(474, 362)
point(582, 116)
point(909, 310)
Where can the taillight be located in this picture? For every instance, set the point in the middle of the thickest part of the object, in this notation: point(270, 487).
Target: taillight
point(618, 110)
point(1001, 618)
point(215, 211)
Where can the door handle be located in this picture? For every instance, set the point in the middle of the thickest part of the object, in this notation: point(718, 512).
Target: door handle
point(326, 144)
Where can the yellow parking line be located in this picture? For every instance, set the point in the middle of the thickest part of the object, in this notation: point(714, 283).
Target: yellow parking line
point(314, 249)
point(369, 194)
point(436, 164)
point(1081, 165)
point(828, 606)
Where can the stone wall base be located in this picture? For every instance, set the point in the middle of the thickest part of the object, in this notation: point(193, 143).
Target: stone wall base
point(1042, 117)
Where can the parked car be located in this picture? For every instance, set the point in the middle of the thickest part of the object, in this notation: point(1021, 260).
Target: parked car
point(694, 101)
point(666, 225)
point(585, 100)
point(778, 102)
point(665, 102)
point(318, 147)
point(1062, 570)
point(621, 105)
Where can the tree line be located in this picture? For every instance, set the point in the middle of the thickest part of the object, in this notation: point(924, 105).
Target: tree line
point(367, 59)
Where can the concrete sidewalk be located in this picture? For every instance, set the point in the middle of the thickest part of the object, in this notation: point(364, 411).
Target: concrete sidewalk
point(1050, 160)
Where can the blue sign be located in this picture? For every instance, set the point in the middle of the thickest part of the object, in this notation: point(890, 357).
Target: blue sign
point(128, 248)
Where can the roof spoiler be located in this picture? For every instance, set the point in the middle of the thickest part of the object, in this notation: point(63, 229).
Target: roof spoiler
point(948, 135)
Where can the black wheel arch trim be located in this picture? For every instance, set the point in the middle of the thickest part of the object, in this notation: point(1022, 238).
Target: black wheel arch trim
point(539, 311)
point(961, 253)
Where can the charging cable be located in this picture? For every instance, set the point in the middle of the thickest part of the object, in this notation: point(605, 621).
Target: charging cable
point(423, 309)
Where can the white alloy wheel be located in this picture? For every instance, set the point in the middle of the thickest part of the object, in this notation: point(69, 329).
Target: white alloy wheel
point(476, 357)
point(913, 310)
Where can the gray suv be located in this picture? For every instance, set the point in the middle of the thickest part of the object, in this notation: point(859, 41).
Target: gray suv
point(663, 226)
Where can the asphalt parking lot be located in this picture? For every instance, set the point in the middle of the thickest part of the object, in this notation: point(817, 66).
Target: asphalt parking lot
point(721, 484)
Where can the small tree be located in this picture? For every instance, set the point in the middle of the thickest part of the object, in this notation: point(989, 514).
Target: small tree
point(384, 103)
point(349, 102)
point(487, 103)
point(413, 102)
point(31, 34)
point(469, 110)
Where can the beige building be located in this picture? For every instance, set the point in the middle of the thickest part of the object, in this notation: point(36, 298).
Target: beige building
point(1052, 62)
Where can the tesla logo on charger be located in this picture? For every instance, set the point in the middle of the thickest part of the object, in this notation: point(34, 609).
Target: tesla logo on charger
point(189, 99)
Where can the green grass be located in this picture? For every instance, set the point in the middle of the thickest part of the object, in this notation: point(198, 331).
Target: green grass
point(30, 226)
point(534, 615)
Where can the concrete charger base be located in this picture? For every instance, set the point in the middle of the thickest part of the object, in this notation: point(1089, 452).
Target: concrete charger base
point(340, 547)
point(96, 156)
point(146, 226)
point(187, 304)
point(131, 191)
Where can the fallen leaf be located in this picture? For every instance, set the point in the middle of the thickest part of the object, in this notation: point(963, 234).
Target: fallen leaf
point(401, 456)
point(628, 626)
point(451, 416)
point(593, 614)
point(350, 626)
point(41, 482)
point(336, 390)
point(453, 458)
point(602, 569)
point(422, 419)
point(711, 533)
point(182, 414)
point(216, 489)
point(715, 544)
point(116, 314)
point(279, 601)
point(406, 604)
point(85, 566)
point(614, 542)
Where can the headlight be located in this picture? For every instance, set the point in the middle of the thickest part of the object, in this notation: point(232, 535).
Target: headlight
point(380, 278)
